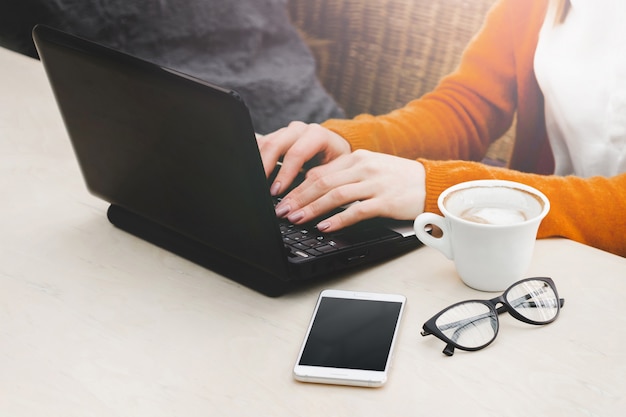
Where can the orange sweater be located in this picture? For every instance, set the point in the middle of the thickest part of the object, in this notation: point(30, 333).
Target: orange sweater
point(454, 124)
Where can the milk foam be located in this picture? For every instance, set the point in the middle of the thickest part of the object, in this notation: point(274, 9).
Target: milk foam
point(493, 215)
point(496, 205)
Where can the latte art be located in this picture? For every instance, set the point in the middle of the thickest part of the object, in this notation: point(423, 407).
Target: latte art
point(494, 215)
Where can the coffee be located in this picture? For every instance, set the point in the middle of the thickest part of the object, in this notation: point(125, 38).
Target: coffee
point(496, 205)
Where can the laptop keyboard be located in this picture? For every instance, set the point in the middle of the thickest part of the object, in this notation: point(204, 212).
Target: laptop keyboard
point(305, 241)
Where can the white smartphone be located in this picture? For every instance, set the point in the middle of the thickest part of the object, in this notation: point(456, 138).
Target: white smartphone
point(350, 338)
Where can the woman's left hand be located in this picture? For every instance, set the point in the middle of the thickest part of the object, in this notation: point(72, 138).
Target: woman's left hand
point(379, 185)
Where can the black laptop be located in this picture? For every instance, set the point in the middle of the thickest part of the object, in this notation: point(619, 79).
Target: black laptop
point(177, 159)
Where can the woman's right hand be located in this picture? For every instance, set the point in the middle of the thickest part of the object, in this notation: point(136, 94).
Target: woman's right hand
point(299, 145)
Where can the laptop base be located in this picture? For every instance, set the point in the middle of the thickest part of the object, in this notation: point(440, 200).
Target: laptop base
point(198, 253)
point(226, 265)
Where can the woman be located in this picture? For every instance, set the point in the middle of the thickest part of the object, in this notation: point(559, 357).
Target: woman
point(560, 66)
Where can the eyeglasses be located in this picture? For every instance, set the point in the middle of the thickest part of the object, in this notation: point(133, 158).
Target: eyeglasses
point(472, 325)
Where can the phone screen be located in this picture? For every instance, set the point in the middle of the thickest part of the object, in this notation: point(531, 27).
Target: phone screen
point(351, 333)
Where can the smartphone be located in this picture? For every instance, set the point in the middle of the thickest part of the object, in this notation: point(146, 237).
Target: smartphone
point(350, 338)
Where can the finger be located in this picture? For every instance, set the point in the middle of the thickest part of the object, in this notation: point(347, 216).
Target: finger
point(272, 146)
point(325, 179)
point(279, 144)
point(325, 202)
point(311, 142)
point(307, 192)
point(345, 165)
point(353, 214)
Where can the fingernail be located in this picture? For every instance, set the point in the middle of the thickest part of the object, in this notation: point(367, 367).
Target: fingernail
point(295, 217)
point(275, 189)
point(282, 210)
point(323, 226)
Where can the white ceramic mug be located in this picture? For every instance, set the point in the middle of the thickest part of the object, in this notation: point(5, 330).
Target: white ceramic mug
point(489, 230)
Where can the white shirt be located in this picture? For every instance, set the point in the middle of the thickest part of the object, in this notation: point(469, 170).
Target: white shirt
point(580, 65)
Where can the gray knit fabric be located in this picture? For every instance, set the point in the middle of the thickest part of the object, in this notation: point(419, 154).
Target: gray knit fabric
point(246, 45)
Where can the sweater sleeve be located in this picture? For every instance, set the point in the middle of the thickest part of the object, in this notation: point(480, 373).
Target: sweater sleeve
point(466, 112)
point(587, 210)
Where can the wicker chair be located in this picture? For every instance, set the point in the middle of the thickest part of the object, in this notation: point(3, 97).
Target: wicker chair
point(376, 55)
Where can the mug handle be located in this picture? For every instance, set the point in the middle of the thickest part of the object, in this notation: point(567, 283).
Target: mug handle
point(442, 244)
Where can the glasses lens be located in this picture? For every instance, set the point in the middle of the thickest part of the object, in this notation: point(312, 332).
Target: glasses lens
point(534, 300)
point(470, 324)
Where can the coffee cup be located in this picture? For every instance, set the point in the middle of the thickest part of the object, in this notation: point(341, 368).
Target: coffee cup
point(488, 229)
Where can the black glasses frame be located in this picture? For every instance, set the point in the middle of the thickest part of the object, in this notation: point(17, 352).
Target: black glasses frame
point(431, 328)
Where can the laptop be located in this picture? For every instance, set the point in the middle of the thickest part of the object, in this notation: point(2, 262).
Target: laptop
point(177, 159)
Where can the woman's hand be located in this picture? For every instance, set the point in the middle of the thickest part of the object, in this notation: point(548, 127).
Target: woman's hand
point(299, 145)
point(379, 185)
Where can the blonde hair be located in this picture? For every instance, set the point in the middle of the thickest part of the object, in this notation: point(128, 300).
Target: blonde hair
point(562, 8)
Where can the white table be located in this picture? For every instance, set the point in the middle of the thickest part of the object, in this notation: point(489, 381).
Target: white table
point(95, 322)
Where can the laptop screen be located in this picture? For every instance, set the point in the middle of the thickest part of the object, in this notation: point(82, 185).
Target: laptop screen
point(170, 148)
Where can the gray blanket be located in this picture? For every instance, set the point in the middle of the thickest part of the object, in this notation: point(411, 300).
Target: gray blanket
point(247, 45)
